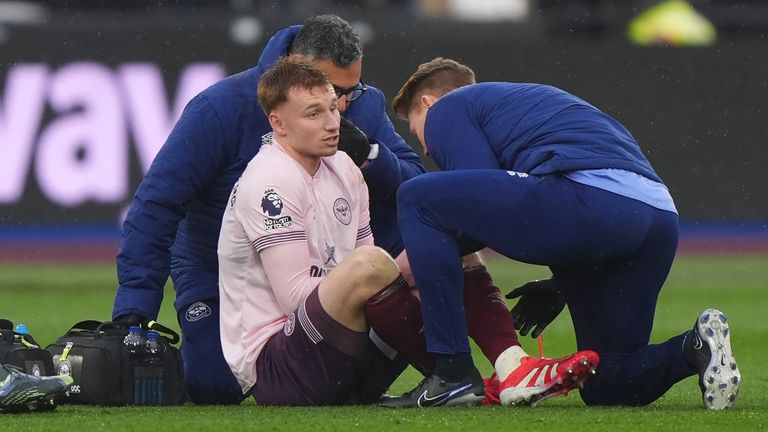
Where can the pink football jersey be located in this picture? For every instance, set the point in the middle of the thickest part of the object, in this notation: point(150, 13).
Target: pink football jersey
point(277, 207)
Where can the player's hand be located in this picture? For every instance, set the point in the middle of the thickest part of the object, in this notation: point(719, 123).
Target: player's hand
point(540, 303)
point(353, 142)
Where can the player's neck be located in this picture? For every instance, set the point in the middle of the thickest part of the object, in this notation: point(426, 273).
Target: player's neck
point(310, 163)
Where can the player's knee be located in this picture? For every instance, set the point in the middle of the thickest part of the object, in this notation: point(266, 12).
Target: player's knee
point(598, 390)
point(594, 398)
point(372, 266)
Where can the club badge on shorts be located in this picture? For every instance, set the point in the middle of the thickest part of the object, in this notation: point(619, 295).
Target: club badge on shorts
point(197, 311)
point(290, 324)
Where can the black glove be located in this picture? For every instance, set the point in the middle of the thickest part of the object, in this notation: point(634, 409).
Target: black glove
point(353, 142)
point(132, 319)
point(540, 303)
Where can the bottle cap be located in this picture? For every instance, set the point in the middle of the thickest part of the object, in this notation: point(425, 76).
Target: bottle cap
point(153, 336)
point(21, 329)
point(135, 329)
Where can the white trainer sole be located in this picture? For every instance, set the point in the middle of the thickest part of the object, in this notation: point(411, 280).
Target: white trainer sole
point(722, 379)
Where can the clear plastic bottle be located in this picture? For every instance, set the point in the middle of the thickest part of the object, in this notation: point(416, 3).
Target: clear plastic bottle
point(134, 341)
point(153, 347)
point(150, 376)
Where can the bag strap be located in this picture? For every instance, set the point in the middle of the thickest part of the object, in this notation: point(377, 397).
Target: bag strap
point(170, 335)
point(26, 339)
point(102, 328)
point(10, 336)
point(87, 325)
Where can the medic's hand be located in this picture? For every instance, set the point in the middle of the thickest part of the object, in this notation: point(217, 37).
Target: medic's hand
point(353, 142)
point(540, 303)
point(132, 319)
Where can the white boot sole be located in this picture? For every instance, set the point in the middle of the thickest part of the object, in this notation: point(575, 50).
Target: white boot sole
point(722, 379)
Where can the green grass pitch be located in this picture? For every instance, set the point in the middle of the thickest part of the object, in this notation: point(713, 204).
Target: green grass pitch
point(50, 298)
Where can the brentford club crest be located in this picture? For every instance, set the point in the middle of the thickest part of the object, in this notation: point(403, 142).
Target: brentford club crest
point(341, 211)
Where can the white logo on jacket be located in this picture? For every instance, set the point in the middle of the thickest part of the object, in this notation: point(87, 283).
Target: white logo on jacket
point(197, 311)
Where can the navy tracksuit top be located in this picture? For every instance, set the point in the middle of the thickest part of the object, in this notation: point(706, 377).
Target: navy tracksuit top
point(173, 223)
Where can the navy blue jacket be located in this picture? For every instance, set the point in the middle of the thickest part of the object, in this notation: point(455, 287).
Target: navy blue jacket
point(530, 128)
point(174, 220)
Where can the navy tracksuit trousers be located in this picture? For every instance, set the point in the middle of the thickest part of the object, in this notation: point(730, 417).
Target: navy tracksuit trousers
point(610, 253)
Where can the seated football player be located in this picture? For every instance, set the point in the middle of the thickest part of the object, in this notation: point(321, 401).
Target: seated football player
point(297, 263)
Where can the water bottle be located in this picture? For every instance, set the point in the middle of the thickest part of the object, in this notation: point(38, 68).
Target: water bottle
point(148, 376)
point(153, 347)
point(134, 342)
point(21, 329)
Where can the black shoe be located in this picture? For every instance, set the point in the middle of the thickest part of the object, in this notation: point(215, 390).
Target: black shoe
point(24, 392)
point(435, 391)
point(708, 352)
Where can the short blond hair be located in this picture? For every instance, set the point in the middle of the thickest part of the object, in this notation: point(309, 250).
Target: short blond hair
point(438, 76)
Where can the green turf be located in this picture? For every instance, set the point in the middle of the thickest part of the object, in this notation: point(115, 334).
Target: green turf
point(48, 299)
